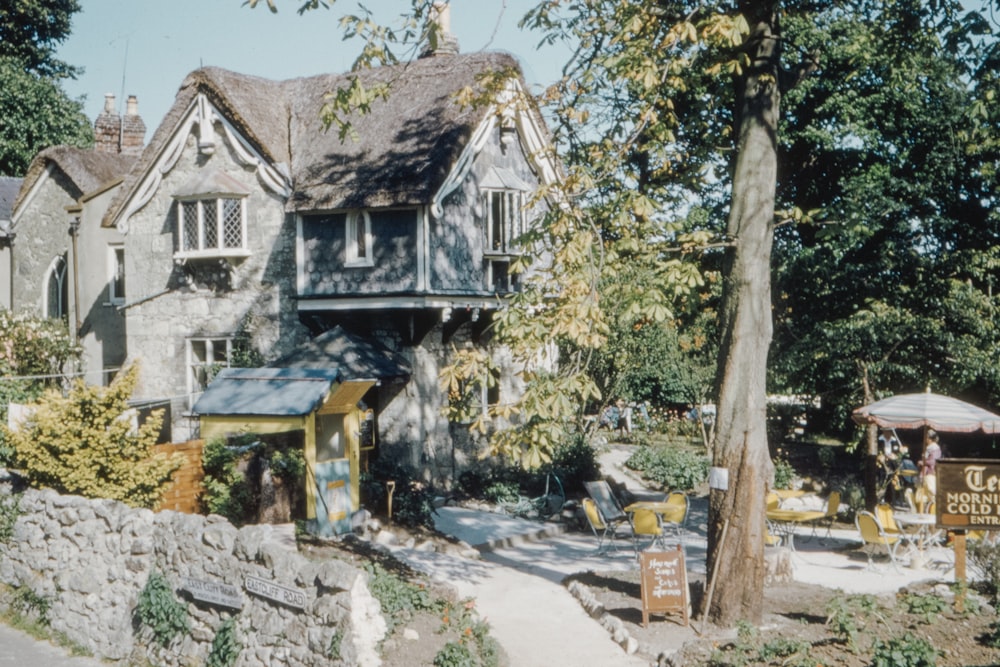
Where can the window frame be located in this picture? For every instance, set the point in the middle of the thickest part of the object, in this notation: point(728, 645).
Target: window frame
point(358, 223)
point(116, 274)
point(200, 249)
point(58, 269)
point(512, 224)
point(194, 384)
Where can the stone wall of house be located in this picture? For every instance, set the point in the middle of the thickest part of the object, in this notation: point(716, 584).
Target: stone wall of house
point(49, 238)
point(251, 298)
point(92, 558)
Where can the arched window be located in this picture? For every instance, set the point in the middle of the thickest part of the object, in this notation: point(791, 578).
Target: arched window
point(56, 291)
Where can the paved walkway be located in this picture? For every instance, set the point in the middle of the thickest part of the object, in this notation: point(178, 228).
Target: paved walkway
point(19, 650)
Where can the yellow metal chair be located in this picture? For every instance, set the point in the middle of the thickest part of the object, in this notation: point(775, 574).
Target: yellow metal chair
point(646, 523)
point(677, 513)
point(874, 537)
point(603, 530)
point(885, 515)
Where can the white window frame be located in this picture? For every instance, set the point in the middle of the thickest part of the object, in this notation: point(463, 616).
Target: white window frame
point(116, 271)
point(57, 270)
point(509, 204)
point(194, 248)
point(358, 239)
point(211, 358)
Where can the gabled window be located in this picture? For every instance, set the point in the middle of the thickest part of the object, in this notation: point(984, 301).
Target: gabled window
point(212, 227)
point(211, 217)
point(205, 358)
point(116, 274)
point(55, 302)
point(358, 234)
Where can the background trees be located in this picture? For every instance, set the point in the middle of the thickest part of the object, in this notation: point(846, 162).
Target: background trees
point(36, 112)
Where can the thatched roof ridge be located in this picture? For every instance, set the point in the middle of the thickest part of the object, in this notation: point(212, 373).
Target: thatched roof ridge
point(406, 145)
point(88, 170)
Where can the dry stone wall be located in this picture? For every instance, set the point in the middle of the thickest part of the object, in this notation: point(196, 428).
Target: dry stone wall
point(91, 559)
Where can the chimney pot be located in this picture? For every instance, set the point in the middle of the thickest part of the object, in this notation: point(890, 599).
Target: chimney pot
point(440, 41)
point(132, 106)
point(109, 103)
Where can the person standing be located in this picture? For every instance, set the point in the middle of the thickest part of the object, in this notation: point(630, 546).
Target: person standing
point(928, 463)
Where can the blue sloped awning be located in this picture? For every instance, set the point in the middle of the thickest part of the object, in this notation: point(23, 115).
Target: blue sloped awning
point(279, 392)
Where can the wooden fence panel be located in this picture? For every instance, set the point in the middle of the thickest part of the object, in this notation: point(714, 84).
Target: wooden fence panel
point(183, 493)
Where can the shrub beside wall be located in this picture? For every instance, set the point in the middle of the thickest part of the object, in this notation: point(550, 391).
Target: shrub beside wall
point(91, 559)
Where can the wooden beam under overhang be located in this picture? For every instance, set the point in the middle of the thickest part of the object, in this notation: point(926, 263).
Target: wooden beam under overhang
point(213, 426)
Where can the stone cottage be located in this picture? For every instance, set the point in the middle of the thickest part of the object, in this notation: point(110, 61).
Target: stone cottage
point(58, 258)
point(249, 230)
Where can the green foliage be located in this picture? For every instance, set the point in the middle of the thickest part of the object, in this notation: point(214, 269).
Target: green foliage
point(984, 558)
point(37, 114)
point(412, 500)
point(10, 510)
point(906, 651)
point(399, 598)
point(226, 491)
point(31, 31)
point(926, 606)
point(226, 646)
point(333, 650)
point(28, 603)
point(784, 473)
point(992, 639)
point(33, 346)
point(847, 617)
point(675, 469)
point(785, 651)
point(84, 443)
point(475, 646)
point(160, 611)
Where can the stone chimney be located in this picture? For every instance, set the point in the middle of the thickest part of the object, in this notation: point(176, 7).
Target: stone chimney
point(133, 129)
point(112, 134)
point(440, 41)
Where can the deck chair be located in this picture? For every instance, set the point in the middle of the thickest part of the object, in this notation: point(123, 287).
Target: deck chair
point(608, 505)
point(602, 529)
point(646, 524)
point(874, 538)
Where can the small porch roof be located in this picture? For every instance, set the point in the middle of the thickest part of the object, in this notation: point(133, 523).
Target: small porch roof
point(279, 392)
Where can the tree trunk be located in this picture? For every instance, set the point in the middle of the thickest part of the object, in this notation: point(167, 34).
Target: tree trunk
point(737, 566)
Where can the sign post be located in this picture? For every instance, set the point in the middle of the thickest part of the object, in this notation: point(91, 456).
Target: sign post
point(968, 498)
point(664, 584)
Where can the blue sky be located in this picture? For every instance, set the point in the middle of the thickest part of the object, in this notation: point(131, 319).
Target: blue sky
point(147, 47)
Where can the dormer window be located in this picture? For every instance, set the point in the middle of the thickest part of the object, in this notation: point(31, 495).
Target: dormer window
point(211, 217)
point(504, 199)
point(505, 220)
point(359, 239)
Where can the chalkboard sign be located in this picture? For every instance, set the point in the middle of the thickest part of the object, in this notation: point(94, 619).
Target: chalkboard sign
point(664, 584)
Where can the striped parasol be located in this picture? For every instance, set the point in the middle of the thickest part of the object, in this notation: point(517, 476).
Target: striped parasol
point(941, 413)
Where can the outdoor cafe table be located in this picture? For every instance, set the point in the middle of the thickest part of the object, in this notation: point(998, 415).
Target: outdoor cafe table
point(922, 536)
point(785, 521)
point(669, 512)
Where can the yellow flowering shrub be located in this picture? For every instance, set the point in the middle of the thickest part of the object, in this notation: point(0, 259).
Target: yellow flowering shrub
point(85, 443)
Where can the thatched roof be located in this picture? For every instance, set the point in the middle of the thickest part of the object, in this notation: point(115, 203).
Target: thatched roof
point(88, 170)
point(405, 146)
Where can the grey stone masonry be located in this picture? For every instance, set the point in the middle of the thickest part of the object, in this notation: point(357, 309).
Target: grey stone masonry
point(91, 559)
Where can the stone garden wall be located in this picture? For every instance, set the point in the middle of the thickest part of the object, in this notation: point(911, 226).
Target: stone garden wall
point(90, 559)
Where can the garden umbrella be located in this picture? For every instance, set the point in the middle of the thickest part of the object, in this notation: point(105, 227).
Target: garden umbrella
point(928, 410)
